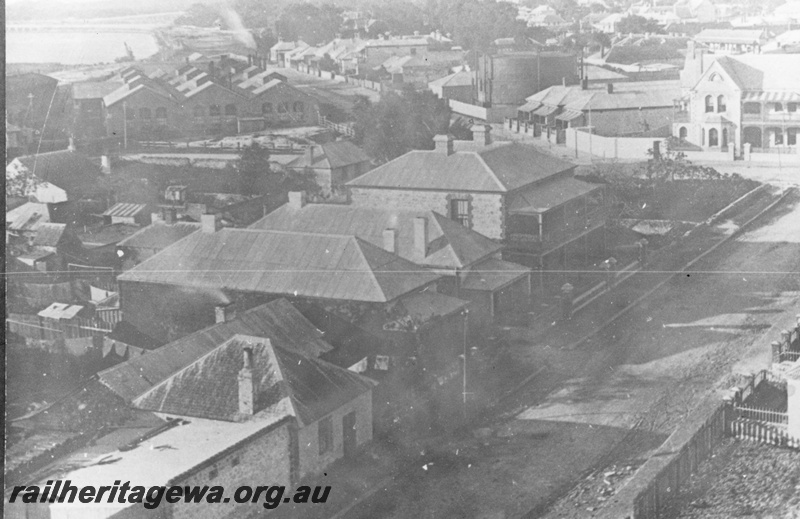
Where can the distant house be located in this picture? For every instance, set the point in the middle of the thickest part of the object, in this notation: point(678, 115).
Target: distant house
point(89, 115)
point(733, 41)
point(127, 213)
point(333, 164)
point(59, 179)
point(741, 100)
point(375, 52)
point(277, 52)
point(23, 222)
point(506, 191)
point(457, 86)
point(470, 262)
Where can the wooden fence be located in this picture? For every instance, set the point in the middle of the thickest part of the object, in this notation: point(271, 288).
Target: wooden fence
point(761, 432)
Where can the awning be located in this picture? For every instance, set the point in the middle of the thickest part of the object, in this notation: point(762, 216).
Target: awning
point(544, 111)
point(568, 115)
point(530, 106)
point(551, 195)
point(775, 97)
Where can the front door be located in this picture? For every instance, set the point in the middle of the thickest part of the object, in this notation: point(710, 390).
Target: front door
point(349, 433)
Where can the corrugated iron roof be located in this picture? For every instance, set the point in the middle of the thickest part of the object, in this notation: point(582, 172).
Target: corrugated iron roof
point(306, 265)
point(277, 320)
point(493, 274)
point(125, 209)
point(209, 387)
point(451, 245)
point(159, 235)
point(498, 168)
point(27, 217)
point(49, 234)
point(542, 198)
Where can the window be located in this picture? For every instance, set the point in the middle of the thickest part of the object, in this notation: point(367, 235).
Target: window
point(752, 108)
point(230, 109)
point(791, 136)
point(145, 113)
point(283, 107)
point(266, 108)
point(778, 139)
point(459, 211)
point(298, 106)
point(325, 435)
point(214, 111)
point(721, 104)
point(778, 107)
point(792, 107)
point(713, 137)
point(709, 104)
point(198, 111)
point(682, 133)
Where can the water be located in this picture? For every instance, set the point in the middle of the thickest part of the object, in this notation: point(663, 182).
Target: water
point(76, 48)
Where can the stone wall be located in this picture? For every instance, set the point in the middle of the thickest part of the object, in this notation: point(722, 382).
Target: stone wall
point(487, 209)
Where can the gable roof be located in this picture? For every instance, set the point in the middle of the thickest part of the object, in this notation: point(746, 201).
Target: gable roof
point(49, 234)
point(317, 266)
point(277, 320)
point(767, 72)
point(159, 235)
point(68, 170)
point(27, 217)
point(209, 387)
point(451, 245)
point(497, 168)
point(331, 155)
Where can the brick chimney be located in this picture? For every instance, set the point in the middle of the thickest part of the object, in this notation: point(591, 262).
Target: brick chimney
point(610, 88)
point(482, 134)
point(420, 238)
point(224, 313)
point(444, 144)
point(169, 215)
point(390, 240)
point(246, 388)
point(297, 199)
point(209, 223)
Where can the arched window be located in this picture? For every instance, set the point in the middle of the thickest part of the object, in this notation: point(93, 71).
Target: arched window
point(198, 111)
point(214, 111)
point(298, 106)
point(721, 104)
point(161, 113)
point(145, 113)
point(713, 137)
point(266, 108)
point(683, 132)
point(230, 109)
point(709, 104)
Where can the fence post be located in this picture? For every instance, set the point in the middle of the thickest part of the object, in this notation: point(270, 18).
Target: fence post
point(776, 352)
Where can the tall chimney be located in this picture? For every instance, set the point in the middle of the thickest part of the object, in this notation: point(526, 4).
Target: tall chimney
point(297, 199)
point(610, 88)
point(444, 144)
point(209, 223)
point(246, 388)
point(420, 238)
point(482, 134)
point(390, 240)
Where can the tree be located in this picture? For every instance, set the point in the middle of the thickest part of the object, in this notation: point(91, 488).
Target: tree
point(399, 123)
point(253, 165)
point(638, 25)
point(475, 24)
point(312, 24)
point(200, 15)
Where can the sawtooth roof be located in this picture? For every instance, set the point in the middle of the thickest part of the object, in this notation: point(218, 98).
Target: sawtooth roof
point(451, 245)
point(209, 386)
point(498, 168)
point(283, 263)
point(277, 320)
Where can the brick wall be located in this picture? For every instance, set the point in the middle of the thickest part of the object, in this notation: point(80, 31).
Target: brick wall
point(311, 461)
point(488, 211)
point(266, 461)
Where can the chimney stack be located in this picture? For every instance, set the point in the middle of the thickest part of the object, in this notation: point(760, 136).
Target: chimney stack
point(105, 164)
point(420, 238)
point(169, 215)
point(482, 134)
point(585, 83)
point(390, 240)
point(297, 199)
point(610, 88)
point(209, 223)
point(444, 144)
point(246, 388)
point(224, 313)
point(71, 146)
